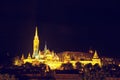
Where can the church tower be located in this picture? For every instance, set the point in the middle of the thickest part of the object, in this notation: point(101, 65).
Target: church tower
point(36, 44)
point(96, 59)
point(95, 56)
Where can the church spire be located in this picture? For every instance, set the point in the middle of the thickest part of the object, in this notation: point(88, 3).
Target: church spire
point(45, 48)
point(95, 55)
point(29, 56)
point(36, 44)
point(22, 58)
point(36, 32)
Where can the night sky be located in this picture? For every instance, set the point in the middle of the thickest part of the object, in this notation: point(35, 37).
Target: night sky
point(66, 25)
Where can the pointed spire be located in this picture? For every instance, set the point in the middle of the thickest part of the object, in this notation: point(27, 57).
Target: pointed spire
point(36, 32)
point(29, 56)
point(95, 55)
point(45, 48)
point(53, 54)
point(22, 58)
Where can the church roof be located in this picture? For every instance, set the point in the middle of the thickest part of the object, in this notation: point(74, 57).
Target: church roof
point(78, 54)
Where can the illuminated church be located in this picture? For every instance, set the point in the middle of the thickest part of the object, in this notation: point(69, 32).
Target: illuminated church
point(55, 60)
point(39, 56)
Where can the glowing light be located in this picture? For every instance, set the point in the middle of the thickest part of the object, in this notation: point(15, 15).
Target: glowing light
point(50, 58)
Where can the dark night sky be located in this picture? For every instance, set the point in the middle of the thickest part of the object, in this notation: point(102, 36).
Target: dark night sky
point(74, 25)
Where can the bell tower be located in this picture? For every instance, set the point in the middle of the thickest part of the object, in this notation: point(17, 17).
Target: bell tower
point(36, 44)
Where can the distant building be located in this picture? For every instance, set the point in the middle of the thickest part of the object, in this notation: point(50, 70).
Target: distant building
point(109, 61)
point(55, 60)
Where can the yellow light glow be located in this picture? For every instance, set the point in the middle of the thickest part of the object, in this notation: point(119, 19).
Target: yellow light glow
point(50, 58)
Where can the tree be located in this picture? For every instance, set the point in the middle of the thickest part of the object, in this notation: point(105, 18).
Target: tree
point(96, 67)
point(28, 65)
point(88, 66)
point(78, 65)
point(67, 66)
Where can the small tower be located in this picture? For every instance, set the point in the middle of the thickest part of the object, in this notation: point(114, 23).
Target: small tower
point(29, 56)
point(45, 49)
point(95, 56)
point(96, 59)
point(22, 58)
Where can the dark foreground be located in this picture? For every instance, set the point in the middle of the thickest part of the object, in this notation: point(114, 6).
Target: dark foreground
point(88, 72)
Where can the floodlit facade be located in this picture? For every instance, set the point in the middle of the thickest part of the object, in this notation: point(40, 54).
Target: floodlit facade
point(52, 59)
point(84, 58)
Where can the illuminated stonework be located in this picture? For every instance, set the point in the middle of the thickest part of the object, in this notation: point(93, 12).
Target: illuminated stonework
point(52, 59)
point(36, 45)
point(84, 58)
